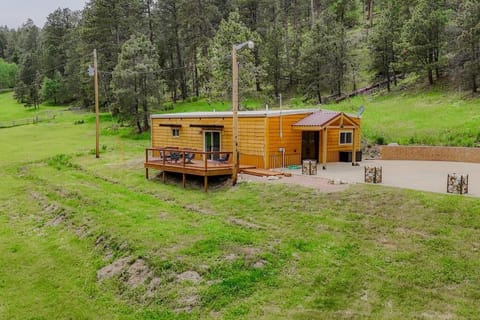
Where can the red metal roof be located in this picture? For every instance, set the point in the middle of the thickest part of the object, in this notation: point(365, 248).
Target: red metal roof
point(317, 119)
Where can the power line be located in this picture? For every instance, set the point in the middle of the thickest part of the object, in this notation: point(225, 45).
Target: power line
point(148, 72)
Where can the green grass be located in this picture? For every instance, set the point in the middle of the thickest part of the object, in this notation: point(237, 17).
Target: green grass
point(368, 252)
point(10, 110)
point(426, 117)
point(434, 116)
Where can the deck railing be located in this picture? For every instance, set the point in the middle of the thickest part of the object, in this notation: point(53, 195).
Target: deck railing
point(184, 157)
point(281, 160)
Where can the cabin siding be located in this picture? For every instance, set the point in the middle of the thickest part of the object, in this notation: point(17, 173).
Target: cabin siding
point(190, 137)
point(251, 141)
point(251, 135)
point(259, 137)
point(291, 140)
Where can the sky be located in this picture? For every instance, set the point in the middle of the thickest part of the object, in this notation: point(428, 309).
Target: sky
point(14, 13)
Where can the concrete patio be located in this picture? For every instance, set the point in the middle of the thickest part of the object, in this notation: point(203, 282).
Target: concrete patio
point(418, 175)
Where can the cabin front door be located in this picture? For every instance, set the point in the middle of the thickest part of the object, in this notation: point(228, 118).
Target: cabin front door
point(310, 143)
point(212, 143)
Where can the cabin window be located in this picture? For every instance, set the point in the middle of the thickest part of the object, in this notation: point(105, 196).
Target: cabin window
point(175, 132)
point(346, 137)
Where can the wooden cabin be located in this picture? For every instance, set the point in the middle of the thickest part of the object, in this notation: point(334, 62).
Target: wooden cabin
point(266, 139)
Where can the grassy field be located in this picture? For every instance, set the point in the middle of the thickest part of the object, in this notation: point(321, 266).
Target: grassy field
point(254, 251)
point(432, 117)
point(10, 110)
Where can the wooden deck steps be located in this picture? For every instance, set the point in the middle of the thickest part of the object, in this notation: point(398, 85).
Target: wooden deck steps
point(261, 172)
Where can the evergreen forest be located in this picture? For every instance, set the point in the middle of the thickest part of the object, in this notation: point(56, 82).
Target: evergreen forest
point(154, 53)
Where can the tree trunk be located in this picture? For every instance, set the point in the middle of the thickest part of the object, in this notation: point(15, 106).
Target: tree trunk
point(181, 70)
point(372, 5)
point(430, 76)
point(319, 94)
point(437, 59)
point(387, 73)
point(173, 80)
point(146, 125)
point(257, 64)
point(474, 83)
point(150, 23)
point(196, 88)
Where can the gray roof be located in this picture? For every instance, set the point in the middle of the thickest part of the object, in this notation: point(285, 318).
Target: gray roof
point(229, 114)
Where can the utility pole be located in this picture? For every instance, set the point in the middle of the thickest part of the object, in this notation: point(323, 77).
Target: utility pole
point(235, 48)
point(97, 117)
point(235, 113)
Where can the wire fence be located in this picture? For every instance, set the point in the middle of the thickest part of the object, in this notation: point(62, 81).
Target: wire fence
point(39, 117)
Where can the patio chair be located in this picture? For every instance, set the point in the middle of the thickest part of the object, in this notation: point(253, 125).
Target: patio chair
point(189, 157)
point(223, 158)
point(175, 156)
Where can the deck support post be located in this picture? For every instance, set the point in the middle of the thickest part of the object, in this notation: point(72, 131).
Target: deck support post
point(163, 176)
point(146, 173)
point(183, 180)
point(205, 183)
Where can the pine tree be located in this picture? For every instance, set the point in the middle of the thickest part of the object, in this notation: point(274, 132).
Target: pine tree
point(29, 77)
point(384, 42)
point(322, 67)
point(467, 51)
point(134, 83)
point(423, 37)
point(218, 62)
point(105, 26)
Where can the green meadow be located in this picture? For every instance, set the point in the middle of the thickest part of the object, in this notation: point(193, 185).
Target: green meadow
point(423, 117)
point(87, 238)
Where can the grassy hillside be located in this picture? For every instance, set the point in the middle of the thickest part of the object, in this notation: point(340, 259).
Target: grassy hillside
point(432, 117)
point(424, 117)
point(249, 252)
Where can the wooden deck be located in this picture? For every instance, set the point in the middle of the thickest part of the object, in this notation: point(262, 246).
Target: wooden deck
point(189, 162)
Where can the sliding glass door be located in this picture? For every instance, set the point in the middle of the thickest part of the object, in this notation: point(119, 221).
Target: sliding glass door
point(212, 143)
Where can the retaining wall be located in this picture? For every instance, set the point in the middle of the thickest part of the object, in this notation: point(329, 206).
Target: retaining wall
point(427, 153)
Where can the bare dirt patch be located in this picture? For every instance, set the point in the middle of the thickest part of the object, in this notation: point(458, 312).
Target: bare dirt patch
point(260, 264)
point(189, 275)
point(138, 273)
point(56, 221)
point(187, 302)
point(411, 232)
point(114, 269)
point(197, 209)
point(387, 244)
point(243, 223)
